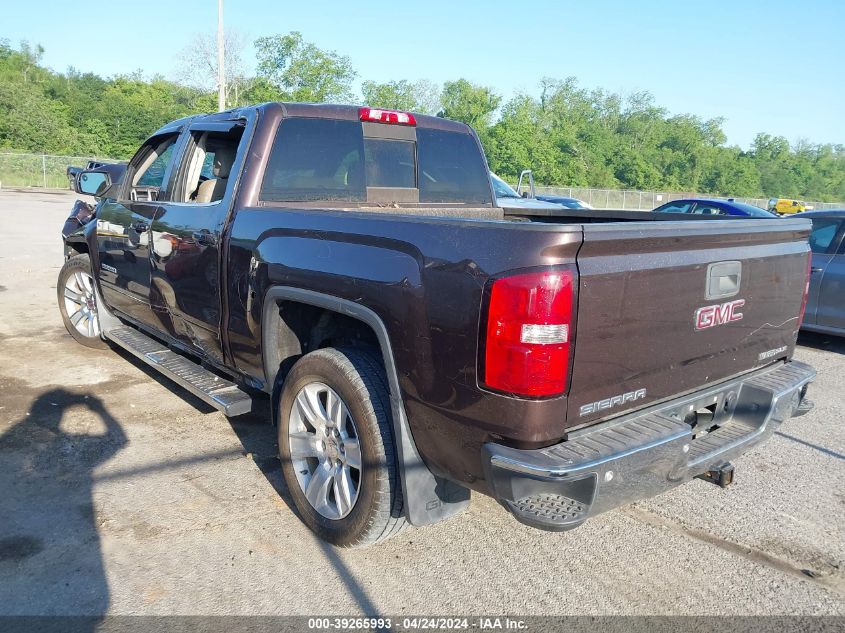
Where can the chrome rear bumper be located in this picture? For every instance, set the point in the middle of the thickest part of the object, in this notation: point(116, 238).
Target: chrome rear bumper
point(643, 454)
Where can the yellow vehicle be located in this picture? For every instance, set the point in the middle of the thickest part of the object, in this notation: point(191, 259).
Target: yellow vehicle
point(785, 205)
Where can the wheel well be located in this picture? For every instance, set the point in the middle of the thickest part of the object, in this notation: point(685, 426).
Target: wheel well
point(296, 321)
point(79, 247)
point(301, 328)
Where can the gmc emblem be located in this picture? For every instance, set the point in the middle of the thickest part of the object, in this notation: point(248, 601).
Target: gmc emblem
point(711, 316)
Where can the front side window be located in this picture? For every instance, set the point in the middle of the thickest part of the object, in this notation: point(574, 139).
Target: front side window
point(149, 168)
point(154, 174)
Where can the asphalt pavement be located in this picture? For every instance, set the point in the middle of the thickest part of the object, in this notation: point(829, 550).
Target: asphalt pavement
point(122, 494)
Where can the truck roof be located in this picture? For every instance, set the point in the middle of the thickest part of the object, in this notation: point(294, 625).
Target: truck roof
point(312, 111)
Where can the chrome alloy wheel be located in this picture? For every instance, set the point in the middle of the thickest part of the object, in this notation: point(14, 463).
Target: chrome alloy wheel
point(81, 304)
point(324, 449)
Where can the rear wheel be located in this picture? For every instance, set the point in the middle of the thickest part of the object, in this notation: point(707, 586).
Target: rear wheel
point(336, 447)
point(78, 302)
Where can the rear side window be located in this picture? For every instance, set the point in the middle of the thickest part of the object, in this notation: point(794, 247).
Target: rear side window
point(451, 169)
point(316, 159)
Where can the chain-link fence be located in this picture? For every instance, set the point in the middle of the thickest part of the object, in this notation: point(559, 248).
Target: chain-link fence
point(49, 172)
point(648, 200)
point(39, 170)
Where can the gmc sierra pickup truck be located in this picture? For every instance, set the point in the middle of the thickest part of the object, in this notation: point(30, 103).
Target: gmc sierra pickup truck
point(418, 341)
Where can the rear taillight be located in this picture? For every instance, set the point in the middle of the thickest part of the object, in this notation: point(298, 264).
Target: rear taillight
point(377, 115)
point(806, 290)
point(529, 327)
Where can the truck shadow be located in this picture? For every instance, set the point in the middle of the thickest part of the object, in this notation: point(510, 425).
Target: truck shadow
point(815, 447)
point(50, 557)
point(823, 342)
point(164, 381)
point(258, 438)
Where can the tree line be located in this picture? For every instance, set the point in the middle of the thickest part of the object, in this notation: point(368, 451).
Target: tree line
point(569, 135)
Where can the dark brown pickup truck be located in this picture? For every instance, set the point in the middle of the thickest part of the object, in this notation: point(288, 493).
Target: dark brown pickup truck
point(419, 342)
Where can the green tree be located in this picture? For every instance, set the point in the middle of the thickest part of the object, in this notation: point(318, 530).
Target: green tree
point(31, 122)
point(301, 71)
point(569, 135)
point(421, 96)
point(519, 141)
point(469, 103)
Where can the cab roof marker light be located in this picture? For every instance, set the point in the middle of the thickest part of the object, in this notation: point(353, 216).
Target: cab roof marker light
point(378, 115)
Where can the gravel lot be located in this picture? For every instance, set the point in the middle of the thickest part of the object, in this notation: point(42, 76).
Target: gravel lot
point(122, 494)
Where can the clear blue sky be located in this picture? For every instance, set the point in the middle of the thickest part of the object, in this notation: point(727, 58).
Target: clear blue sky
point(776, 66)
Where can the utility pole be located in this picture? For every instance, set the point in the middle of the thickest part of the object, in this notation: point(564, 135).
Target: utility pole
point(221, 71)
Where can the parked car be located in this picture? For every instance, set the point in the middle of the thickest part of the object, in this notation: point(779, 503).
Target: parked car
point(706, 206)
point(418, 341)
point(826, 300)
point(507, 197)
point(786, 206)
point(569, 203)
point(526, 179)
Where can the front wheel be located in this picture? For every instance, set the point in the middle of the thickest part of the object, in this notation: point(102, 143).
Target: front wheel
point(78, 302)
point(336, 447)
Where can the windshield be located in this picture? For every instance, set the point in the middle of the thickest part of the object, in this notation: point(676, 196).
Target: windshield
point(501, 188)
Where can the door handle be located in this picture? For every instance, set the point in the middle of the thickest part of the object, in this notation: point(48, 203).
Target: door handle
point(205, 238)
point(816, 270)
point(140, 227)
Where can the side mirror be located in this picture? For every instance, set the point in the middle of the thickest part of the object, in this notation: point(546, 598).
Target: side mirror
point(530, 193)
point(72, 174)
point(93, 183)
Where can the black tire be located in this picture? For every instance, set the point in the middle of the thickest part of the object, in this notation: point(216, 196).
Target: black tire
point(358, 377)
point(72, 270)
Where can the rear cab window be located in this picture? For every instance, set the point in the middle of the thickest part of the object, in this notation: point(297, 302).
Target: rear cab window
point(347, 161)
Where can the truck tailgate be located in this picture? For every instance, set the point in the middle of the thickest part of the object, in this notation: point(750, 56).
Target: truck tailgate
point(665, 308)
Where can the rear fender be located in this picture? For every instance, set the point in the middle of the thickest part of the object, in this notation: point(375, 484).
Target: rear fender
point(428, 498)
